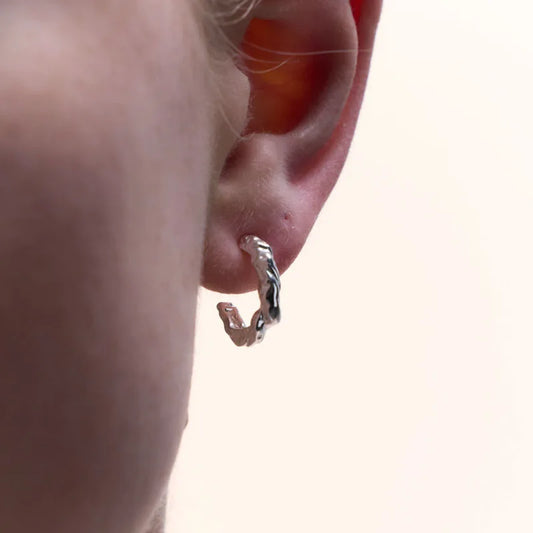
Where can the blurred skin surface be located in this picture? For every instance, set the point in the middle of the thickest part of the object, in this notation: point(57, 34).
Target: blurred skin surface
point(112, 139)
point(100, 252)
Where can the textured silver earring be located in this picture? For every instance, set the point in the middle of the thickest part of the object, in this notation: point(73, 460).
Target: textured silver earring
point(269, 287)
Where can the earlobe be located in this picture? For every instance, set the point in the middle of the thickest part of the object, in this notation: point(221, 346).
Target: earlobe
point(307, 81)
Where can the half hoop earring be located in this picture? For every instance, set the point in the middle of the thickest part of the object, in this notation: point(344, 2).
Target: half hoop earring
point(268, 289)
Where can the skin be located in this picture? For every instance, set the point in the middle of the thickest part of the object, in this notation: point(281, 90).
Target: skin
point(113, 211)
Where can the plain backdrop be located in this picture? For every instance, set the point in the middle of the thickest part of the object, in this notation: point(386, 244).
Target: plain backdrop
point(397, 394)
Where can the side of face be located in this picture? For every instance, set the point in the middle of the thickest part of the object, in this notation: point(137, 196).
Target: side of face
point(104, 131)
point(109, 132)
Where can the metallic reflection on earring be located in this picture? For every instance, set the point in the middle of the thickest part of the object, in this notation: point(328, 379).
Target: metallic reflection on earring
point(269, 287)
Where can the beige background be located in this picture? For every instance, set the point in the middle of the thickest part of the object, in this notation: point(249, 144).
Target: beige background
point(397, 394)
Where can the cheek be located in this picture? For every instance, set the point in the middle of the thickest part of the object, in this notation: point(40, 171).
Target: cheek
point(94, 401)
point(88, 438)
point(83, 85)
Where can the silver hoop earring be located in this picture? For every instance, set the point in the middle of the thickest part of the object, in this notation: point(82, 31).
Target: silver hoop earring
point(269, 287)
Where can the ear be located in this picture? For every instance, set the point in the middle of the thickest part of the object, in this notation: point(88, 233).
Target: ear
point(302, 115)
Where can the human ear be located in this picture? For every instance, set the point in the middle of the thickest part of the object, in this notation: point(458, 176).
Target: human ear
point(307, 63)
